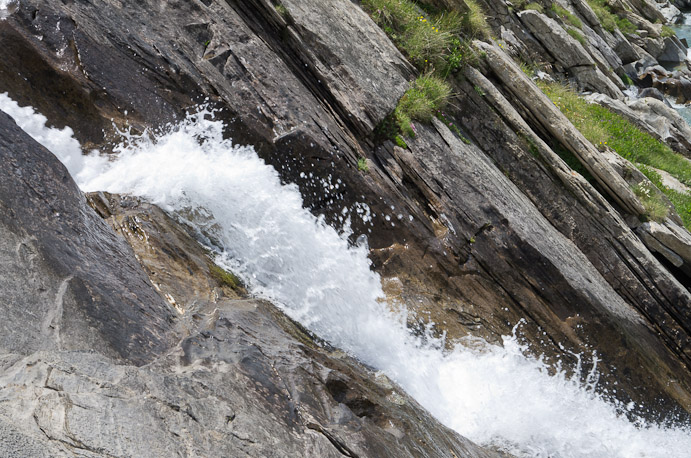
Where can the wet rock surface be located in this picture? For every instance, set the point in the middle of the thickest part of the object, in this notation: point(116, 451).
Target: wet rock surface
point(499, 231)
point(67, 282)
point(224, 375)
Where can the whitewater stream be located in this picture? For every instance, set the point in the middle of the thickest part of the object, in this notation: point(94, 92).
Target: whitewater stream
point(493, 395)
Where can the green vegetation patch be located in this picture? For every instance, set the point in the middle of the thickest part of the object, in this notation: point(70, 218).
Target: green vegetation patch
point(426, 95)
point(667, 31)
point(362, 165)
point(625, 25)
point(534, 7)
point(604, 128)
point(577, 35)
point(475, 22)
point(225, 278)
point(566, 15)
point(608, 19)
point(435, 42)
point(655, 208)
point(680, 200)
point(280, 9)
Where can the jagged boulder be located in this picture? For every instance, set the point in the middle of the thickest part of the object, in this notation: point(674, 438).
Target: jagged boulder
point(569, 53)
point(67, 282)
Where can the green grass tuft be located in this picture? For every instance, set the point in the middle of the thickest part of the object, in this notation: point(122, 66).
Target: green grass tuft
point(577, 35)
point(280, 9)
point(625, 25)
point(603, 13)
point(608, 19)
point(626, 79)
point(426, 95)
point(680, 200)
point(434, 43)
point(476, 22)
point(225, 278)
point(667, 31)
point(534, 7)
point(655, 208)
point(566, 15)
point(362, 165)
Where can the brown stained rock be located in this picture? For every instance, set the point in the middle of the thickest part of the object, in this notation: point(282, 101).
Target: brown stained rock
point(177, 265)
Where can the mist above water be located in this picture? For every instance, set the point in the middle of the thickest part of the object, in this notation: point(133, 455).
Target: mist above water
point(491, 394)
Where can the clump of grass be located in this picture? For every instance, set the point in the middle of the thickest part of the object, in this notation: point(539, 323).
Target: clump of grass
point(280, 9)
point(476, 22)
point(225, 278)
point(534, 7)
point(530, 70)
point(626, 79)
point(655, 208)
point(362, 165)
point(608, 19)
point(566, 15)
point(625, 26)
point(520, 5)
point(432, 42)
point(426, 95)
point(577, 35)
point(400, 141)
point(680, 200)
point(604, 128)
point(667, 31)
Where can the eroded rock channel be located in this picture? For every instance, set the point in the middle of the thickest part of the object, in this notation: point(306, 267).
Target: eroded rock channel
point(480, 221)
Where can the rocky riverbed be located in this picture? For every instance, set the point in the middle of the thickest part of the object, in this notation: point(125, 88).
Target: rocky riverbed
point(121, 336)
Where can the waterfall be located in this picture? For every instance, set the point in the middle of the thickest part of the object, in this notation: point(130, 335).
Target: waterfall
point(492, 394)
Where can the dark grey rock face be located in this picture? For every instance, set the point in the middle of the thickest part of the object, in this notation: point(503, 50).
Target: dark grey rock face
point(242, 381)
point(67, 282)
point(309, 102)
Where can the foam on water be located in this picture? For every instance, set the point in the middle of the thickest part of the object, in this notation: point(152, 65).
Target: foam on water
point(493, 395)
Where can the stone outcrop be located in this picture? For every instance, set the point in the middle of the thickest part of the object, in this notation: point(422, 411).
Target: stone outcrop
point(670, 240)
point(68, 283)
point(502, 230)
point(224, 375)
point(553, 120)
point(568, 53)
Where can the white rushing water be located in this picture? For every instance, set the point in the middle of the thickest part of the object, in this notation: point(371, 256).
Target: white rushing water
point(493, 395)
